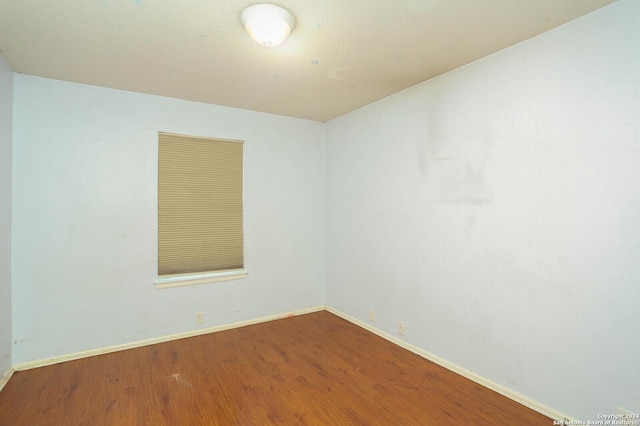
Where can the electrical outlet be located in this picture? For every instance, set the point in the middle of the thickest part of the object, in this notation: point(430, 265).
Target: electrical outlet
point(372, 315)
point(401, 329)
point(199, 318)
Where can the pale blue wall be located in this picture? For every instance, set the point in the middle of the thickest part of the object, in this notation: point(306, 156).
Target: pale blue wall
point(6, 109)
point(495, 210)
point(85, 209)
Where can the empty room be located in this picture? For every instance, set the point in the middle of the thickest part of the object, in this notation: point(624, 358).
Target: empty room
point(384, 212)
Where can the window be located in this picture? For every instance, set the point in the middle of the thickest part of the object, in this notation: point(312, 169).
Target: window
point(200, 210)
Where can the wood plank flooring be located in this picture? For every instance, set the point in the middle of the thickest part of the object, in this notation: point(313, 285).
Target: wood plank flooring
point(313, 369)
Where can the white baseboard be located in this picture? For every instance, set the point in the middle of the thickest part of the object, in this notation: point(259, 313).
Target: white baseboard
point(85, 354)
point(5, 377)
point(515, 396)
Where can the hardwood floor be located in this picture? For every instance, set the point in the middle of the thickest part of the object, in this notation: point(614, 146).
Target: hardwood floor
point(314, 369)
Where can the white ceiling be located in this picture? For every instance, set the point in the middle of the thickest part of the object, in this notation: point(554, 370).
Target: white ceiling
point(342, 54)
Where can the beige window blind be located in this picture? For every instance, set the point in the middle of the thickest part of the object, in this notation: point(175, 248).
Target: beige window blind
point(200, 216)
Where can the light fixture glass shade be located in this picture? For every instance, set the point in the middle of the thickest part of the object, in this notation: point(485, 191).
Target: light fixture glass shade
point(267, 24)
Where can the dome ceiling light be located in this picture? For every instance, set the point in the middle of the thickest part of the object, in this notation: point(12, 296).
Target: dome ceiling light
point(267, 24)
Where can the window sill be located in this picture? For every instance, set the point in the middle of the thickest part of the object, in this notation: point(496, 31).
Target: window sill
point(181, 280)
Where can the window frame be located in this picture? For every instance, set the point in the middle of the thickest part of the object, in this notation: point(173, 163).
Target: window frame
point(206, 277)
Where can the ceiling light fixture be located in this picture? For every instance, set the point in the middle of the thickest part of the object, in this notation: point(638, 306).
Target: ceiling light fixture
point(267, 24)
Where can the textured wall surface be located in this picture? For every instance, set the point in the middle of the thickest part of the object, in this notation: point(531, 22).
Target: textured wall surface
point(85, 217)
point(494, 210)
point(6, 108)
